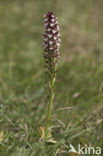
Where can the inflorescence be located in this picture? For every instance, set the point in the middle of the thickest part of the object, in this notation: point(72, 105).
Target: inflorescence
point(51, 41)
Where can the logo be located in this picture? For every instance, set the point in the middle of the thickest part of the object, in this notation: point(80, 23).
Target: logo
point(85, 150)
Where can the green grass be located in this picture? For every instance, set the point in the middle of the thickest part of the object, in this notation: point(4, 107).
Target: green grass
point(78, 105)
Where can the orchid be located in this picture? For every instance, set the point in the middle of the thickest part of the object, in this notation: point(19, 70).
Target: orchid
point(51, 56)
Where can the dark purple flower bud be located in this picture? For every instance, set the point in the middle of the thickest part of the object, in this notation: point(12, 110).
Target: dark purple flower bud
point(51, 37)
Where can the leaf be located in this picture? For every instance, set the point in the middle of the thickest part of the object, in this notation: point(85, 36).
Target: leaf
point(1, 136)
point(41, 131)
point(49, 140)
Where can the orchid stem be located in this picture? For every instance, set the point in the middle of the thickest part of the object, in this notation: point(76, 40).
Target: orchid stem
point(51, 86)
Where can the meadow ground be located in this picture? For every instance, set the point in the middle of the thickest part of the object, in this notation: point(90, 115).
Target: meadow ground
point(77, 116)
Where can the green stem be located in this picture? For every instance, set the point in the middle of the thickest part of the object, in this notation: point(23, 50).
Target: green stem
point(51, 86)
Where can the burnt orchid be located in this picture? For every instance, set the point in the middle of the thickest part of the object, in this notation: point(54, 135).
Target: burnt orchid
point(51, 56)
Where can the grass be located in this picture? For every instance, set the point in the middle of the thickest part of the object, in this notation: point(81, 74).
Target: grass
point(77, 116)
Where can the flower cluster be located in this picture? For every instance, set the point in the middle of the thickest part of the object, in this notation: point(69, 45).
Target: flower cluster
point(51, 38)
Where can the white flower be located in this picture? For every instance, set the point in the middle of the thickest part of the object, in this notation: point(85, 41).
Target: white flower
point(52, 20)
point(46, 39)
point(46, 20)
point(49, 35)
point(46, 24)
point(53, 31)
point(55, 38)
point(52, 24)
point(52, 16)
point(50, 42)
point(51, 48)
point(58, 34)
point(48, 29)
point(59, 40)
point(58, 44)
point(58, 27)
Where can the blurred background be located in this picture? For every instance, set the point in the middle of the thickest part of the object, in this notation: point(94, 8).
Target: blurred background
point(80, 71)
